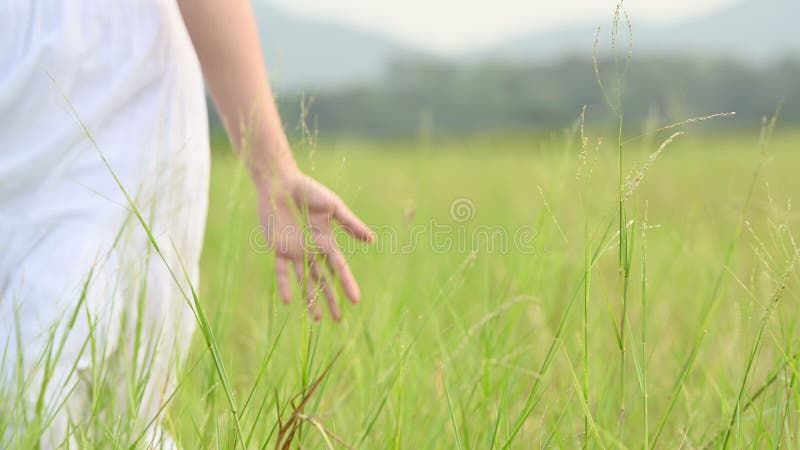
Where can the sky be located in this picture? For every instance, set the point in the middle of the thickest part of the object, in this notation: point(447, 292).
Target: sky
point(454, 26)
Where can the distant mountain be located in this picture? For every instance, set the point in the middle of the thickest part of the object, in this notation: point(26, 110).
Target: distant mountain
point(750, 30)
point(306, 53)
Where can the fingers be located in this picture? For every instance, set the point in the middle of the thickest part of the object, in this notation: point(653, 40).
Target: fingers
point(311, 292)
point(351, 222)
point(321, 206)
point(316, 282)
point(330, 294)
point(339, 267)
point(282, 276)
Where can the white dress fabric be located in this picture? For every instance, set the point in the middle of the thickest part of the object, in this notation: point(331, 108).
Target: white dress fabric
point(80, 81)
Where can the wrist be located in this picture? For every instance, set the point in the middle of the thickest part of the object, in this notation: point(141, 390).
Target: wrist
point(273, 166)
point(278, 176)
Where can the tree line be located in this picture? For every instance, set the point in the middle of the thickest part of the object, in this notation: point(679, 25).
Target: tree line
point(439, 98)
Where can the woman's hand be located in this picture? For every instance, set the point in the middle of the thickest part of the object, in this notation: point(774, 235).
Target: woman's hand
point(299, 216)
point(227, 45)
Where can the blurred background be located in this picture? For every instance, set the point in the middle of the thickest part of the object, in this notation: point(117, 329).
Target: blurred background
point(427, 69)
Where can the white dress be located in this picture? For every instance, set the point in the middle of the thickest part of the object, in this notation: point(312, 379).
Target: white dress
point(125, 72)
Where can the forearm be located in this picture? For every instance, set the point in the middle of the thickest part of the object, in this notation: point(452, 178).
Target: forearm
point(225, 37)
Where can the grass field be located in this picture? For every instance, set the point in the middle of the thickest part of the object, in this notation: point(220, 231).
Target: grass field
point(481, 346)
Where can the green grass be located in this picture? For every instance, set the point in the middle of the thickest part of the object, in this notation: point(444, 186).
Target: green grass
point(474, 346)
point(446, 345)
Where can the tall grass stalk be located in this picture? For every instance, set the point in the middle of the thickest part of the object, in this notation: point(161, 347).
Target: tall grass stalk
point(623, 266)
point(587, 270)
point(645, 395)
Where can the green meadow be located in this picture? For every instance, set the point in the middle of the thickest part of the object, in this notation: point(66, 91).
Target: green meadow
point(509, 304)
